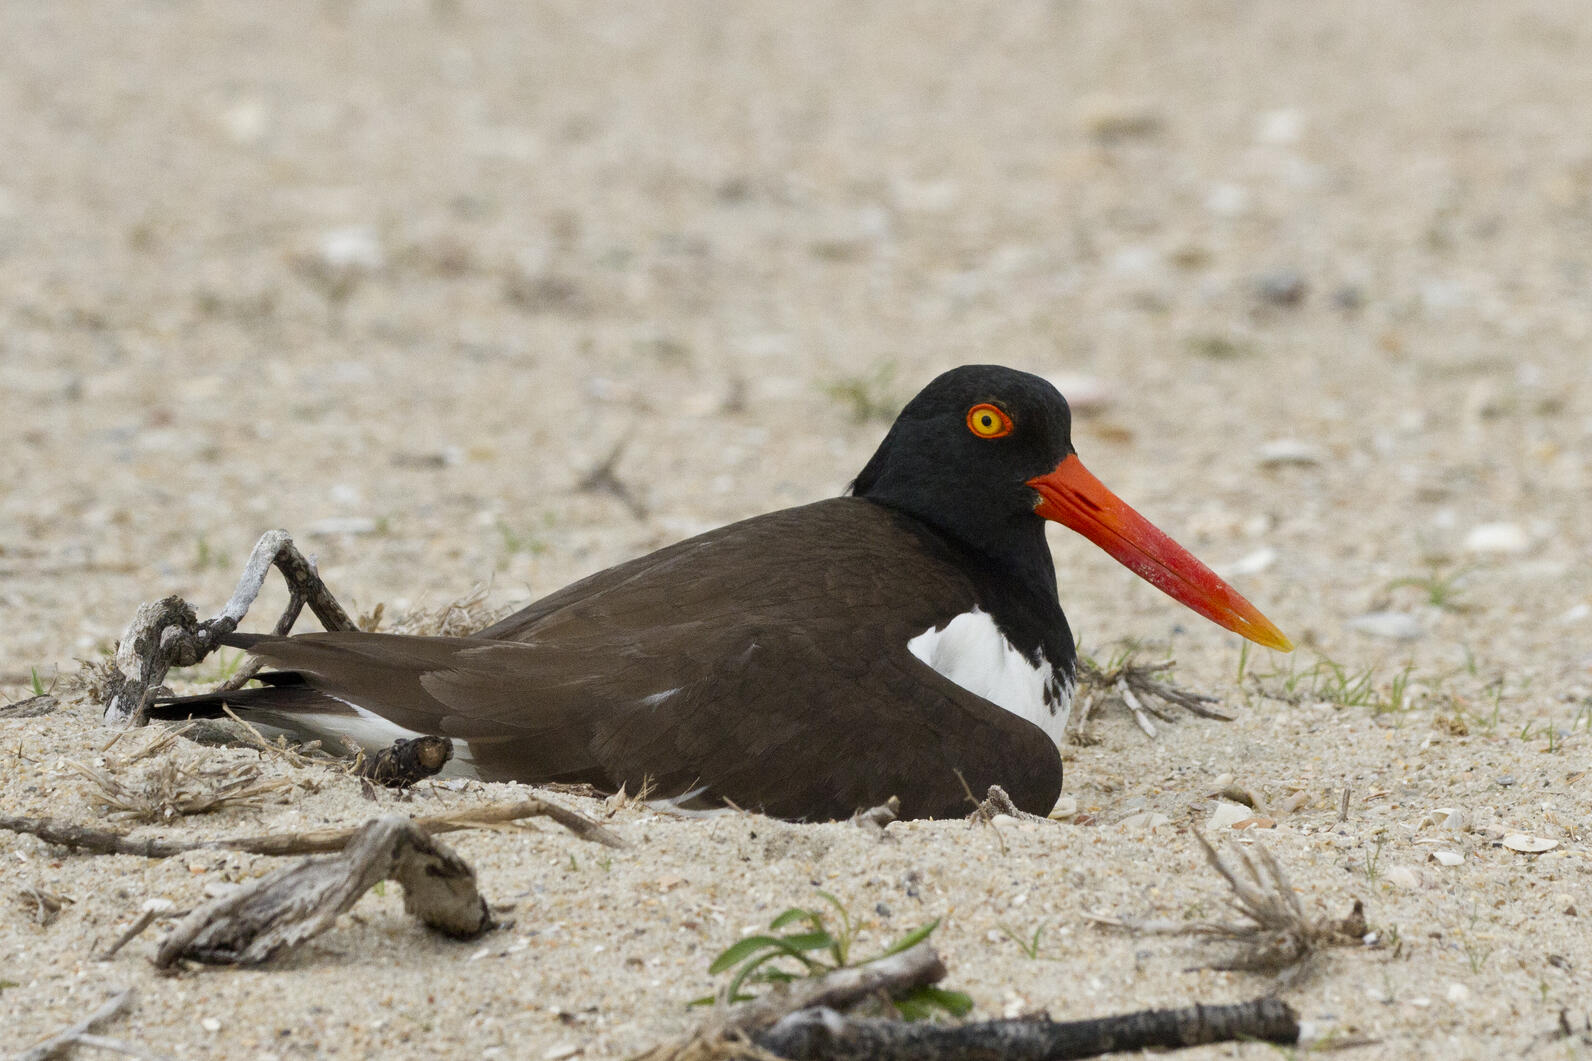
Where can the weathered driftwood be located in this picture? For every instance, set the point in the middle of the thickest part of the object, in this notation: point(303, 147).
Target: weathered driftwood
point(823, 1033)
point(284, 908)
point(166, 633)
point(105, 842)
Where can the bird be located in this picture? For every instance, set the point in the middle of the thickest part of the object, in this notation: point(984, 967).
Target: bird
point(905, 639)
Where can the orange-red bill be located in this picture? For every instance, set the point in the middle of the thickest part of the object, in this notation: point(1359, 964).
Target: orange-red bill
point(1073, 497)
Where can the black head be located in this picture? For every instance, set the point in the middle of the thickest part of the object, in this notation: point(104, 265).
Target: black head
point(984, 456)
point(960, 455)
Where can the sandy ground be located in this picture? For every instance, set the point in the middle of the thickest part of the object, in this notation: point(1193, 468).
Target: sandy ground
point(397, 276)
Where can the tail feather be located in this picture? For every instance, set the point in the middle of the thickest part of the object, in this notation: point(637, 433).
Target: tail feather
point(238, 639)
point(294, 709)
point(285, 692)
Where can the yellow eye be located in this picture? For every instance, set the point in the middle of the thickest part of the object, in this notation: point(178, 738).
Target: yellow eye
point(986, 421)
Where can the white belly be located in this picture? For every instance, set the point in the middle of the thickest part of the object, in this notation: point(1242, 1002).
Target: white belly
point(971, 651)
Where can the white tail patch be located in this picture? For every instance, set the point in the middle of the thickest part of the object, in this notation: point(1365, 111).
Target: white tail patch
point(971, 651)
point(365, 728)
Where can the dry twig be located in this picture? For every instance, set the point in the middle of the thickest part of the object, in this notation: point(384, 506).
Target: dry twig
point(82, 1032)
point(153, 909)
point(104, 842)
point(604, 479)
point(32, 707)
point(47, 905)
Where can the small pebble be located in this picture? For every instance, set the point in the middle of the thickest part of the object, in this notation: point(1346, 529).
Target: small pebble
point(1145, 819)
point(1447, 858)
point(210, 1024)
point(1458, 993)
point(1395, 626)
point(1252, 564)
point(1016, 1005)
point(1289, 451)
point(1066, 807)
point(1084, 394)
point(1109, 118)
point(1280, 128)
point(1348, 297)
point(354, 247)
point(1497, 538)
point(246, 121)
point(1281, 287)
point(1227, 815)
point(1227, 200)
point(341, 525)
point(1404, 877)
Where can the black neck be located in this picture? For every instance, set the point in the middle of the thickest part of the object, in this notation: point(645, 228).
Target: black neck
point(1017, 588)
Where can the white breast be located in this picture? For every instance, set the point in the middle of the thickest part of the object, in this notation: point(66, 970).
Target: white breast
point(971, 651)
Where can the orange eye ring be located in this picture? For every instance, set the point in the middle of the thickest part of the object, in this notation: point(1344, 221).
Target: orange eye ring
point(988, 421)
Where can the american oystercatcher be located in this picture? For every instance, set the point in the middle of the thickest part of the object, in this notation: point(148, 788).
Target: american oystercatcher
point(806, 663)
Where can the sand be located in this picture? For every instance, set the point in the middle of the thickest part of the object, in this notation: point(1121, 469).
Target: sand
point(398, 276)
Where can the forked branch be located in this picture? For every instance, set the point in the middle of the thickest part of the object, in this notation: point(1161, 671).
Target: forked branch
point(167, 633)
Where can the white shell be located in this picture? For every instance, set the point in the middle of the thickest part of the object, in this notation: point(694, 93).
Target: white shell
point(1528, 844)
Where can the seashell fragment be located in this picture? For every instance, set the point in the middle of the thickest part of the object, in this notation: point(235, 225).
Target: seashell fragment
point(1528, 844)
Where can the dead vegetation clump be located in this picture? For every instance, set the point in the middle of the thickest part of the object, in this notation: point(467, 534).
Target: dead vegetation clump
point(1139, 688)
point(165, 779)
point(1277, 935)
point(459, 617)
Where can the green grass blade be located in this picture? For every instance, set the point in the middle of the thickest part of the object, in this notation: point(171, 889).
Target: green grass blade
point(911, 939)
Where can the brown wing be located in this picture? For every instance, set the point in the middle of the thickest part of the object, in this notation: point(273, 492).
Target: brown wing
point(766, 661)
